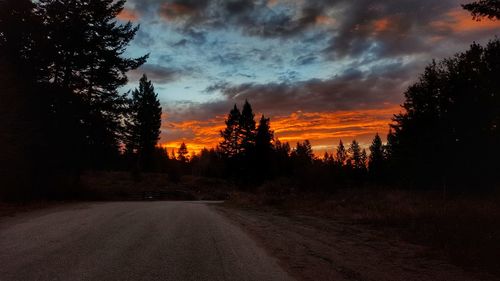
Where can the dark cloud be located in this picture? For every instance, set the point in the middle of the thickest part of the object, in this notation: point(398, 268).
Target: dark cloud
point(305, 59)
point(351, 90)
point(386, 28)
point(382, 28)
point(231, 58)
point(156, 73)
point(252, 17)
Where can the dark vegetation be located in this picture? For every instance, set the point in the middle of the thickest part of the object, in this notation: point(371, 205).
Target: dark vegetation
point(62, 63)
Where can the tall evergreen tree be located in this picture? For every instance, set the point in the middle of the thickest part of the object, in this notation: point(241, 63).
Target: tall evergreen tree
point(183, 153)
point(452, 105)
point(144, 122)
point(341, 155)
point(377, 156)
point(355, 157)
point(363, 160)
point(303, 153)
point(263, 149)
point(84, 58)
point(247, 129)
point(264, 137)
point(230, 146)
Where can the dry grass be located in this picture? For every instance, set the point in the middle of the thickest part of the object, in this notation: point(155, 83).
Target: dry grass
point(464, 229)
point(127, 186)
point(119, 185)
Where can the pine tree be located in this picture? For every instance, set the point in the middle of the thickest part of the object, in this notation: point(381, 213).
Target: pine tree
point(231, 143)
point(363, 160)
point(377, 156)
point(182, 153)
point(247, 129)
point(341, 156)
point(453, 104)
point(264, 137)
point(144, 122)
point(84, 59)
point(355, 157)
point(303, 153)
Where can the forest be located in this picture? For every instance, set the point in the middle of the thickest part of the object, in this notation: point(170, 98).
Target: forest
point(62, 65)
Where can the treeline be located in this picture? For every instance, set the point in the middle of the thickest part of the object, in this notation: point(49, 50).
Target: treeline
point(446, 138)
point(61, 65)
point(250, 155)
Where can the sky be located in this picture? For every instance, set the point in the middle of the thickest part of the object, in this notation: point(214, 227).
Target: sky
point(322, 70)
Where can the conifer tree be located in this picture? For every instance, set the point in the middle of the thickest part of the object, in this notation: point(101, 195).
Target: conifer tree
point(341, 156)
point(377, 156)
point(144, 122)
point(231, 142)
point(355, 157)
point(264, 137)
point(453, 104)
point(84, 56)
point(303, 152)
point(363, 160)
point(247, 129)
point(183, 153)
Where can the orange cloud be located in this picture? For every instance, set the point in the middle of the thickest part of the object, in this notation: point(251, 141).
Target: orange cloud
point(128, 15)
point(459, 20)
point(381, 25)
point(323, 129)
point(324, 20)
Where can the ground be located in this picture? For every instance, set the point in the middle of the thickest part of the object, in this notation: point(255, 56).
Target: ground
point(313, 248)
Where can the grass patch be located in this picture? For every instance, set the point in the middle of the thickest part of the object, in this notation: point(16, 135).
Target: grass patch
point(464, 229)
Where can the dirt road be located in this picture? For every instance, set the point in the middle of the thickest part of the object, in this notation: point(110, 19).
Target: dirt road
point(130, 241)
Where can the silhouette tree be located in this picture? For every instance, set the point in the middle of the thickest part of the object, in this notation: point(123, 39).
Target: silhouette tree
point(328, 159)
point(377, 157)
point(182, 153)
point(484, 8)
point(363, 160)
point(144, 122)
point(69, 56)
point(231, 140)
point(355, 155)
point(264, 148)
point(454, 103)
point(264, 138)
point(24, 125)
point(247, 129)
point(341, 156)
point(85, 59)
point(303, 153)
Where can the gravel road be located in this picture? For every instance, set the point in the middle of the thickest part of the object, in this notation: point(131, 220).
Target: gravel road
point(130, 241)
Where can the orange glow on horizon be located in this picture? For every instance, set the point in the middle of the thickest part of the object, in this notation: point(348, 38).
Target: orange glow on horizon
point(459, 20)
point(323, 129)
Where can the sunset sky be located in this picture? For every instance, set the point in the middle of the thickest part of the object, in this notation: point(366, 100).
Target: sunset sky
point(320, 69)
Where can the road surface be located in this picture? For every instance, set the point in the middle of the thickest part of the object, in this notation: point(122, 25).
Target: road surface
point(130, 241)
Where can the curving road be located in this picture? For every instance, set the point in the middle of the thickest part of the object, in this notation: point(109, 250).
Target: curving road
point(130, 241)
